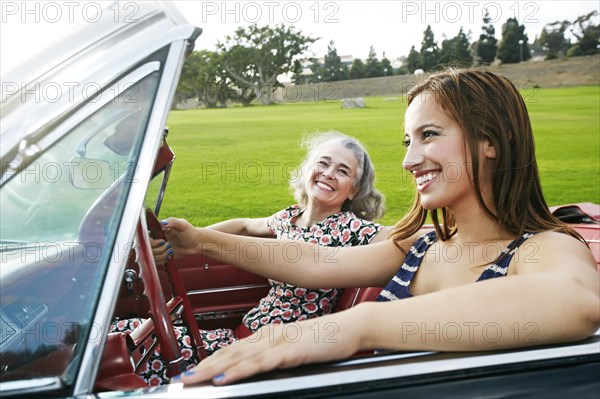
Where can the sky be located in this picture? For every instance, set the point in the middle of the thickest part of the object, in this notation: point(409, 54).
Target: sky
point(354, 25)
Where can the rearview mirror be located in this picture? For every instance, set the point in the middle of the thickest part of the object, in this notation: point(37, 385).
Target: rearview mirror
point(90, 173)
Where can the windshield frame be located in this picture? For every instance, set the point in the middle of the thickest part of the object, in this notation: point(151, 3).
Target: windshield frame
point(171, 69)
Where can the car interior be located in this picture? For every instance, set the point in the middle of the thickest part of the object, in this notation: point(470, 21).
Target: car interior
point(204, 293)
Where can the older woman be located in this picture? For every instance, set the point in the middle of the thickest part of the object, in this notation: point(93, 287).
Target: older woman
point(336, 203)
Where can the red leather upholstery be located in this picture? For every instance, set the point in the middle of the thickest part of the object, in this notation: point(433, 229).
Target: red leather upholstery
point(353, 296)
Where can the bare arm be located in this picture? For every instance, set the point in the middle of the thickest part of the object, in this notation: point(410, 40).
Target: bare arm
point(255, 227)
point(553, 297)
point(556, 299)
point(382, 234)
point(295, 262)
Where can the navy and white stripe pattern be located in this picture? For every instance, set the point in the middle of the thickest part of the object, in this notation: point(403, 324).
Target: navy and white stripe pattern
point(398, 287)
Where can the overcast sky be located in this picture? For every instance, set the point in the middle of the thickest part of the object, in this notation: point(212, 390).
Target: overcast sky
point(354, 25)
point(390, 26)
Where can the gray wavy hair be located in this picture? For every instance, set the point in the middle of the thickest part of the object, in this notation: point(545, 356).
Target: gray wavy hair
point(368, 203)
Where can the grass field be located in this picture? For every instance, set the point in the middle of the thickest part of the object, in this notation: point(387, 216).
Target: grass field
point(235, 162)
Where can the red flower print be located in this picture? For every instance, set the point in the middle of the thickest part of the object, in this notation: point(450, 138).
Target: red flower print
point(310, 307)
point(335, 233)
point(345, 236)
point(355, 224)
point(366, 231)
point(154, 381)
point(285, 215)
point(313, 241)
point(285, 306)
point(187, 341)
point(264, 320)
point(254, 325)
point(311, 296)
point(211, 336)
point(286, 315)
point(295, 301)
point(325, 240)
point(300, 292)
point(344, 219)
point(275, 312)
point(157, 365)
point(186, 353)
point(318, 233)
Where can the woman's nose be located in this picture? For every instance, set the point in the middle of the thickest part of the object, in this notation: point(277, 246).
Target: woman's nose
point(414, 156)
point(329, 171)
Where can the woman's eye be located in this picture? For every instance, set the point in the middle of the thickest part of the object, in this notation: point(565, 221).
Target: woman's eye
point(429, 133)
point(323, 164)
point(406, 142)
point(343, 172)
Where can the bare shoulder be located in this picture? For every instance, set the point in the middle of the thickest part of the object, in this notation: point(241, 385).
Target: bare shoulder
point(551, 250)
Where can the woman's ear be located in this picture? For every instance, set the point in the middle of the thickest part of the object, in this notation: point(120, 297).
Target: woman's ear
point(487, 149)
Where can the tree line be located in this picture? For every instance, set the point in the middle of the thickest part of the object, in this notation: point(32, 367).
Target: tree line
point(246, 66)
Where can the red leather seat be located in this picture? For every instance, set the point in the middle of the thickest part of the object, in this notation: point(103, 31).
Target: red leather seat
point(353, 296)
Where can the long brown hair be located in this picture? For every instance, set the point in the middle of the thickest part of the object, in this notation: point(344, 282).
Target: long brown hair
point(488, 107)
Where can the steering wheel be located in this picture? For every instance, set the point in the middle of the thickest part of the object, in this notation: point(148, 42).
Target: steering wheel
point(173, 353)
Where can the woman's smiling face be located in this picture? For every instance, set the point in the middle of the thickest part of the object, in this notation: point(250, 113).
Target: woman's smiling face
point(435, 154)
point(332, 176)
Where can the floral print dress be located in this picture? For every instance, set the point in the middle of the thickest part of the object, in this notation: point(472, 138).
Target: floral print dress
point(284, 303)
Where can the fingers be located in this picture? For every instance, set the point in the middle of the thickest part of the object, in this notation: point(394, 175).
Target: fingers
point(161, 251)
point(235, 362)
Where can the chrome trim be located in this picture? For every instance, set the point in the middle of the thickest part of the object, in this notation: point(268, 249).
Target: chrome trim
point(23, 387)
point(226, 314)
point(175, 361)
point(132, 213)
point(227, 289)
point(336, 377)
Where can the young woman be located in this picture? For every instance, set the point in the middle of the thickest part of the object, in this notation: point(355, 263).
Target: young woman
point(470, 149)
point(336, 203)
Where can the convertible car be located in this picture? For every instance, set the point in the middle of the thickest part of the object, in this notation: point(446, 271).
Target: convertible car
point(82, 180)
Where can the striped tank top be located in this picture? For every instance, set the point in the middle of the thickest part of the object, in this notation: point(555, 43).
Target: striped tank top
point(398, 287)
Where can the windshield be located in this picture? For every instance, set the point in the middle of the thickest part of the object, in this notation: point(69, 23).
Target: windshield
point(58, 223)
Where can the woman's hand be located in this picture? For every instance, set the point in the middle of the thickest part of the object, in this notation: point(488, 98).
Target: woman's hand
point(183, 238)
point(279, 346)
point(161, 251)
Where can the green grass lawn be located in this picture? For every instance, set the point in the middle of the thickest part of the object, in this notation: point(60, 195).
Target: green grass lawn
point(235, 162)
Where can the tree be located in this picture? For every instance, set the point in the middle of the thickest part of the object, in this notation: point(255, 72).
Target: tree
point(456, 51)
point(357, 70)
point(487, 46)
point(333, 69)
point(373, 68)
point(414, 60)
point(430, 52)
point(255, 57)
point(386, 65)
point(552, 39)
point(587, 34)
point(203, 78)
point(513, 47)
